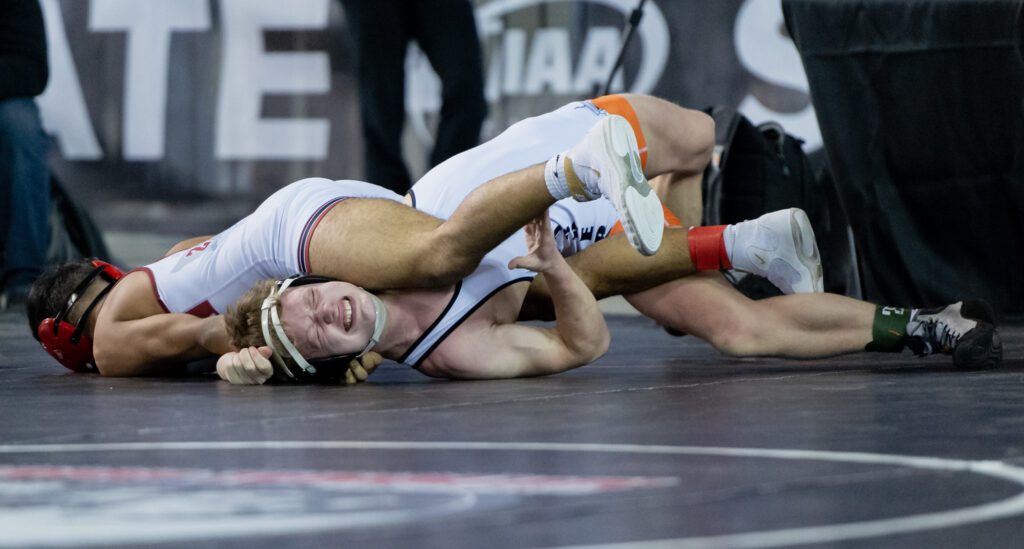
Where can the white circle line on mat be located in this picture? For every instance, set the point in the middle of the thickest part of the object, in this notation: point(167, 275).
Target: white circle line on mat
point(1004, 508)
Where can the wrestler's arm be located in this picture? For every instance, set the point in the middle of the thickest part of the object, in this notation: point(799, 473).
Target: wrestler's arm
point(580, 334)
point(187, 243)
point(157, 345)
point(132, 335)
point(612, 267)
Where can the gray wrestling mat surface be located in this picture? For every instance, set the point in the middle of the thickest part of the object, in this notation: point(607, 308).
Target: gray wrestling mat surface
point(662, 443)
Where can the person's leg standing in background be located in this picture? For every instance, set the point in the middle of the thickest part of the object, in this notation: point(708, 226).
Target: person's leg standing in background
point(24, 175)
point(380, 38)
point(446, 32)
point(24, 197)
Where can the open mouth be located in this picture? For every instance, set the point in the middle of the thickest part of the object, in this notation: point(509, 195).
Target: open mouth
point(346, 306)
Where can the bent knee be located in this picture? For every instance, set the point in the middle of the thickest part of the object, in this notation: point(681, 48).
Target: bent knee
point(683, 138)
point(698, 145)
point(703, 128)
point(742, 339)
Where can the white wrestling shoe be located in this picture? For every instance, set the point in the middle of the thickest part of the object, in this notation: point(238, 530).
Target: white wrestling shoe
point(780, 246)
point(607, 163)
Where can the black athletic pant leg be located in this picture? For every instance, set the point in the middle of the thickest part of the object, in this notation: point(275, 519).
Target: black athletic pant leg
point(446, 32)
point(380, 36)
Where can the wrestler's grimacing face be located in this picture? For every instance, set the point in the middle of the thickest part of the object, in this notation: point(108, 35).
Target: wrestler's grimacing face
point(328, 319)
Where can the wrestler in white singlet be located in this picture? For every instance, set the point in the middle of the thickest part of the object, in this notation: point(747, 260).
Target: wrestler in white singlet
point(577, 225)
point(271, 242)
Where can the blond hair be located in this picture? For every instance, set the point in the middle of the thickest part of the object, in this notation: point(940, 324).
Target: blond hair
point(243, 322)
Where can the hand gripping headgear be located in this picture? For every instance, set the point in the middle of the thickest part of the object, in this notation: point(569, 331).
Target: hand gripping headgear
point(317, 370)
point(63, 340)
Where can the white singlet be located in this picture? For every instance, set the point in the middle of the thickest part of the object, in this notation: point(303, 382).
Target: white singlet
point(576, 224)
point(271, 242)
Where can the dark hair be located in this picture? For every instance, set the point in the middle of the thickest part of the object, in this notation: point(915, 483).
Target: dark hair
point(50, 292)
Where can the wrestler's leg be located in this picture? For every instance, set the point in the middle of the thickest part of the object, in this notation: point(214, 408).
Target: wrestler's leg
point(795, 326)
point(611, 267)
point(682, 194)
point(679, 143)
point(415, 253)
point(380, 244)
point(820, 325)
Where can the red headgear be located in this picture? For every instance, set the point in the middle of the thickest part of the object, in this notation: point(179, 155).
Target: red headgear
point(63, 340)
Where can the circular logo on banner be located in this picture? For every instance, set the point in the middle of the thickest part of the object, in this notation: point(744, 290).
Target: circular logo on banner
point(524, 64)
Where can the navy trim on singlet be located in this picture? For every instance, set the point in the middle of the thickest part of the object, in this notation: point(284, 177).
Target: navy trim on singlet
point(307, 231)
point(412, 195)
point(440, 317)
point(464, 317)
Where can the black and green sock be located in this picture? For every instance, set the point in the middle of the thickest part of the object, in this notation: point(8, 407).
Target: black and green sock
point(889, 330)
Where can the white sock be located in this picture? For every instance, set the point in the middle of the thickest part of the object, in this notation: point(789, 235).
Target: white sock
point(589, 177)
point(554, 177)
point(729, 236)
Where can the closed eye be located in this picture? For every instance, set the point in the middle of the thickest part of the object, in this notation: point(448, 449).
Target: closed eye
point(314, 339)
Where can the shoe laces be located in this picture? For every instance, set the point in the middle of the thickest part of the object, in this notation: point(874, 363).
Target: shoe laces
point(936, 333)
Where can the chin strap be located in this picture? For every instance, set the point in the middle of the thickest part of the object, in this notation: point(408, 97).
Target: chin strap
point(269, 316)
point(380, 318)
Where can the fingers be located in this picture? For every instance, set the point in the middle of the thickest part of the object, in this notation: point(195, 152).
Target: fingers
point(358, 372)
point(251, 366)
point(361, 368)
point(370, 361)
point(224, 364)
point(529, 262)
point(537, 226)
point(236, 372)
point(246, 367)
point(259, 367)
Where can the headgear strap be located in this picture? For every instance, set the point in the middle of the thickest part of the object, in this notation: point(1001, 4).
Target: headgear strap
point(68, 342)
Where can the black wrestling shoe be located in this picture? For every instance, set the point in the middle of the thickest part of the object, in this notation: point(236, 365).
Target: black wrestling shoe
point(965, 329)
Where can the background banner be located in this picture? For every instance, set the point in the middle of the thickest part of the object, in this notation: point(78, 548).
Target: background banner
point(180, 115)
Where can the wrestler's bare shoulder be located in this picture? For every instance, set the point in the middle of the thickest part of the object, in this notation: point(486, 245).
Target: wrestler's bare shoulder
point(462, 355)
point(132, 298)
point(458, 357)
